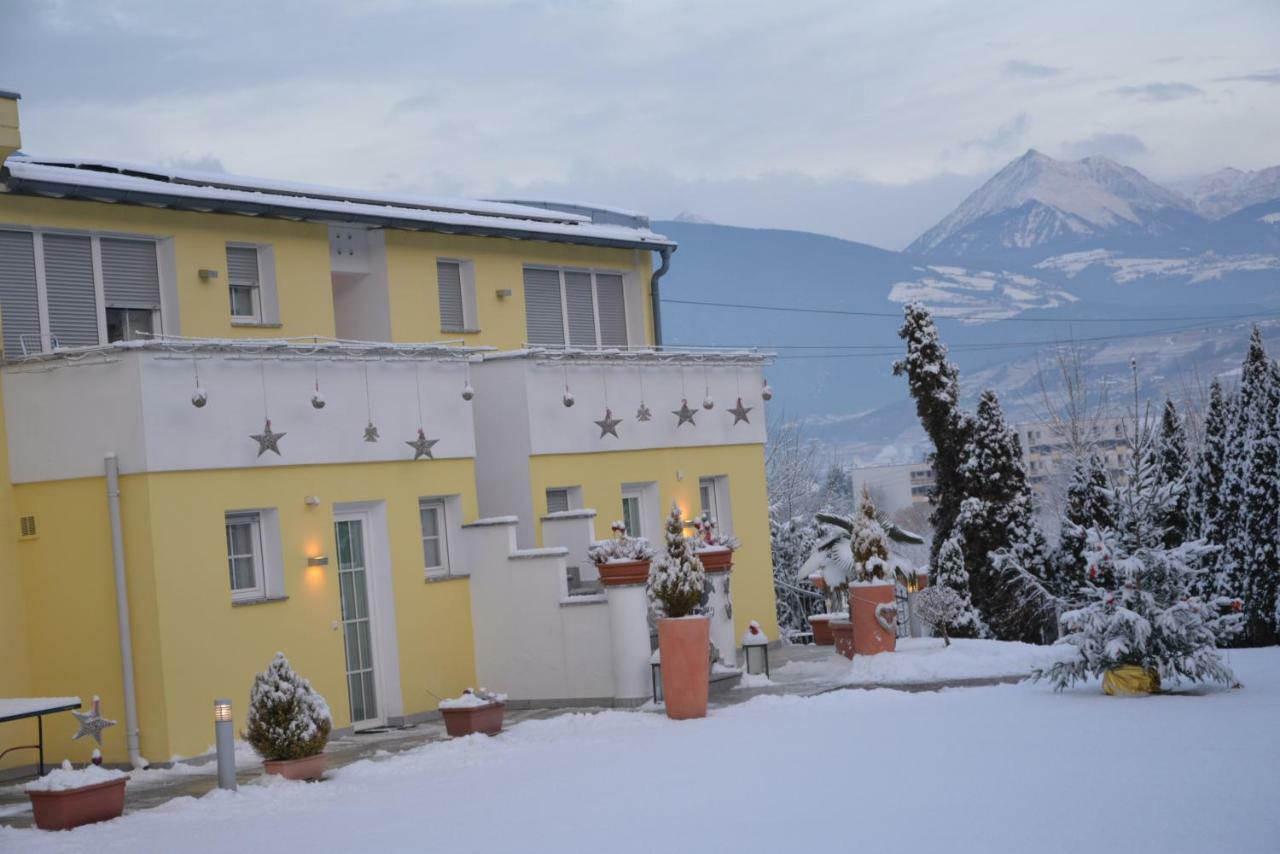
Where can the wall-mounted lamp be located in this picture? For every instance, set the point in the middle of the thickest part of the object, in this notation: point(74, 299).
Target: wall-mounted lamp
point(503, 293)
point(318, 560)
point(312, 501)
point(206, 275)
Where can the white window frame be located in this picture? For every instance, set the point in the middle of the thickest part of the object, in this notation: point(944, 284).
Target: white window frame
point(95, 249)
point(259, 588)
point(470, 309)
point(266, 310)
point(721, 508)
point(646, 495)
point(440, 506)
point(595, 300)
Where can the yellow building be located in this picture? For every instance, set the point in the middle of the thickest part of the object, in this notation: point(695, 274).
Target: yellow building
point(312, 396)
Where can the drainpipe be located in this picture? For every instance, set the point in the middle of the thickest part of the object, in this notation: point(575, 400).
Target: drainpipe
point(122, 613)
point(655, 294)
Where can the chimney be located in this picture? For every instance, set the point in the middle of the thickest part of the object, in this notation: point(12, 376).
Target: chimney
point(10, 138)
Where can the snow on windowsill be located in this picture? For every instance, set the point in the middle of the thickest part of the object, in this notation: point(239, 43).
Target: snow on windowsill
point(257, 600)
point(438, 577)
point(257, 324)
point(493, 520)
point(66, 778)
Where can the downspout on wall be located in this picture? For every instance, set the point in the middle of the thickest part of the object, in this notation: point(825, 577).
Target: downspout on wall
point(655, 293)
point(122, 613)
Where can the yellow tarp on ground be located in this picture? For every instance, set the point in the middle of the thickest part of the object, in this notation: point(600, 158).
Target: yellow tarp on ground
point(1129, 681)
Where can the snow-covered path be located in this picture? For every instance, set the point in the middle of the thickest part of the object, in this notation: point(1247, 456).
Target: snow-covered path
point(1007, 768)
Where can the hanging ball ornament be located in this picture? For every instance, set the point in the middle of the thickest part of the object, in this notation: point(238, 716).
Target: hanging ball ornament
point(467, 391)
point(766, 392)
point(317, 400)
point(568, 398)
point(200, 398)
point(708, 403)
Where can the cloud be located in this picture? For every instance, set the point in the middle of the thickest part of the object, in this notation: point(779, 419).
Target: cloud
point(1159, 92)
point(1029, 70)
point(1272, 76)
point(1003, 138)
point(1117, 146)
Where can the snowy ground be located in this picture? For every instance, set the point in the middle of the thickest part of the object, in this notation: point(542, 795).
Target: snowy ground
point(1007, 768)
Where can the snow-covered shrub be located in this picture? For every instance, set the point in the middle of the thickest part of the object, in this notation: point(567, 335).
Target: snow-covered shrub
point(287, 718)
point(710, 536)
point(796, 598)
point(940, 607)
point(870, 545)
point(620, 549)
point(1150, 620)
point(677, 580)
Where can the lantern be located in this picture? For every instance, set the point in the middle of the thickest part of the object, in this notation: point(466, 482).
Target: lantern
point(755, 650)
point(225, 737)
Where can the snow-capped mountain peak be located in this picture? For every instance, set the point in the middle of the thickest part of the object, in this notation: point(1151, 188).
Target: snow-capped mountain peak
point(1051, 201)
point(1228, 190)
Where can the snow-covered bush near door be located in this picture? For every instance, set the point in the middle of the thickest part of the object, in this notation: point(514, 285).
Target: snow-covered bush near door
point(287, 718)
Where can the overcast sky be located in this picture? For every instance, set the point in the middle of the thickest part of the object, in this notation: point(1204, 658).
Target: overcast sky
point(868, 121)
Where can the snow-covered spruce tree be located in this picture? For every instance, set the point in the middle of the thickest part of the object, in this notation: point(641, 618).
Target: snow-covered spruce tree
point(1205, 504)
point(287, 718)
point(1149, 620)
point(1172, 464)
point(935, 385)
point(796, 598)
point(677, 580)
point(1262, 515)
point(1005, 553)
point(869, 543)
point(837, 489)
point(1089, 506)
point(948, 572)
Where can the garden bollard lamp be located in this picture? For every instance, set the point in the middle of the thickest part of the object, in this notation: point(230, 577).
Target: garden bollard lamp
point(225, 738)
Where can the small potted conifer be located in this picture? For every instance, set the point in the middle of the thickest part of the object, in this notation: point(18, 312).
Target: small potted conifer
point(676, 584)
point(69, 797)
point(622, 559)
point(289, 723)
point(475, 711)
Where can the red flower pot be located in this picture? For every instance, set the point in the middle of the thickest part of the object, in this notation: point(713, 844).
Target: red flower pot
point(684, 644)
point(821, 625)
point(306, 768)
point(618, 573)
point(472, 719)
point(869, 635)
point(716, 560)
point(842, 636)
point(64, 809)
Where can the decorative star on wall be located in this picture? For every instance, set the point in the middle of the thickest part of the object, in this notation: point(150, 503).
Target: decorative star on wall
point(643, 413)
point(422, 446)
point(685, 414)
point(608, 425)
point(92, 722)
point(268, 441)
point(739, 412)
point(371, 433)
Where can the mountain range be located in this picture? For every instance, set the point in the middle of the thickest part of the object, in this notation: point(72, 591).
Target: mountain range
point(1046, 251)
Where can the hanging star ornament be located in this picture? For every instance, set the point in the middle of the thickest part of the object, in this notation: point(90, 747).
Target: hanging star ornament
point(268, 441)
point(643, 413)
point(739, 412)
point(92, 722)
point(422, 446)
point(685, 414)
point(608, 425)
point(370, 433)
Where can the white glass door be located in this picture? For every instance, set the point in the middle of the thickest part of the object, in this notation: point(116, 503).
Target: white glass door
point(353, 586)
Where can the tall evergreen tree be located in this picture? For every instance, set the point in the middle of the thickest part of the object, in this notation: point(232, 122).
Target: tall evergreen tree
point(1262, 512)
point(1089, 508)
point(935, 385)
point(837, 489)
point(948, 571)
point(1172, 465)
point(1206, 478)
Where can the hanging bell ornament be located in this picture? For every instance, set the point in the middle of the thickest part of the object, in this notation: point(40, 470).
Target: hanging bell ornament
point(317, 401)
point(766, 392)
point(568, 398)
point(467, 391)
point(200, 398)
point(708, 403)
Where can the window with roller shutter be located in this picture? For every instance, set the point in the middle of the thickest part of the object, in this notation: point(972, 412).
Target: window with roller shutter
point(578, 307)
point(19, 293)
point(544, 316)
point(449, 284)
point(69, 290)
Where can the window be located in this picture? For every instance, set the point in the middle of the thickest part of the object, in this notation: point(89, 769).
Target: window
point(632, 514)
point(557, 500)
point(244, 555)
point(61, 289)
point(580, 308)
point(435, 549)
point(707, 496)
point(456, 282)
point(244, 283)
point(713, 493)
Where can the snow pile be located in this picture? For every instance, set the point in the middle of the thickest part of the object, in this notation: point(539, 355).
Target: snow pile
point(473, 700)
point(66, 777)
point(927, 660)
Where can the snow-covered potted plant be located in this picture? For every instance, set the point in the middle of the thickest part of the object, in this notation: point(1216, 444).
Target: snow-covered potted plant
point(477, 710)
point(288, 723)
point(676, 586)
point(715, 549)
point(68, 797)
point(622, 559)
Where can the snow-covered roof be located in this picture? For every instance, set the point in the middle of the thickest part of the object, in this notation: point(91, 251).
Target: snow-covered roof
point(114, 181)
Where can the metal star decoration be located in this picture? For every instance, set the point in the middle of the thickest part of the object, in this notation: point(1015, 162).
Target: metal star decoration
point(422, 446)
point(268, 441)
point(739, 412)
point(684, 413)
point(92, 722)
point(643, 413)
point(371, 433)
point(608, 425)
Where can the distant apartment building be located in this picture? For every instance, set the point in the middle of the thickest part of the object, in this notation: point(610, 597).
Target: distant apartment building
point(1046, 448)
point(895, 487)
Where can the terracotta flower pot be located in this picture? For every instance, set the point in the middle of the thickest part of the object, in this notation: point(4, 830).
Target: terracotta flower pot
point(870, 635)
point(472, 719)
point(64, 809)
point(306, 768)
point(716, 560)
point(842, 637)
point(620, 573)
point(821, 625)
point(683, 644)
